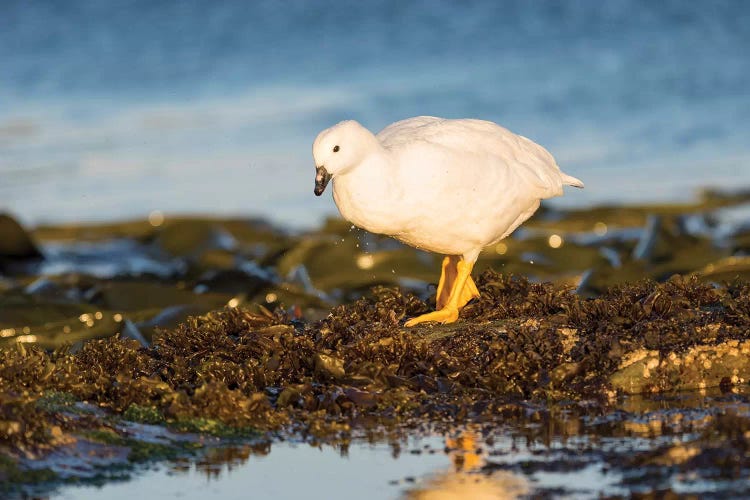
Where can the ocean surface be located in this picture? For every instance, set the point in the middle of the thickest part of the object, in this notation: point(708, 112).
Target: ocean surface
point(111, 110)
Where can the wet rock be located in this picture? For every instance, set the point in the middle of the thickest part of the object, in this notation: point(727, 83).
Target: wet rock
point(342, 263)
point(139, 295)
point(25, 314)
point(15, 242)
point(188, 238)
point(218, 259)
point(122, 258)
point(726, 270)
point(231, 281)
point(700, 367)
point(140, 230)
point(634, 373)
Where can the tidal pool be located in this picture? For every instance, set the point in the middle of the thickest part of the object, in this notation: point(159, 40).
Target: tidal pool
point(689, 443)
point(423, 468)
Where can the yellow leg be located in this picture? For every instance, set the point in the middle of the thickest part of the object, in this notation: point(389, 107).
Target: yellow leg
point(447, 279)
point(458, 297)
point(473, 290)
point(468, 292)
point(448, 276)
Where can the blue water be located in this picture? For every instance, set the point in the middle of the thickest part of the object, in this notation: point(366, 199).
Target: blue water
point(115, 109)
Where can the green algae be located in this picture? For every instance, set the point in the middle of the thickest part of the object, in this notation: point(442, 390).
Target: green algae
point(143, 414)
point(56, 401)
point(213, 427)
point(139, 451)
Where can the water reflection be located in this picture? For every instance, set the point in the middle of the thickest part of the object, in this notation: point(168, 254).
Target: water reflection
point(464, 478)
point(226, 460)
point(683, 443)
point(452, 486)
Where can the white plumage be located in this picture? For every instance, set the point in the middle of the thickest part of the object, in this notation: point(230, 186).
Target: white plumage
point(447, 186)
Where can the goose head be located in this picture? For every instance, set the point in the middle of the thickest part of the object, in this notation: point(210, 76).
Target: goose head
point(338, 150)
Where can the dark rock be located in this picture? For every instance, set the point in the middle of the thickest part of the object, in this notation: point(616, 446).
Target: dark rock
point(232, 281)
point(15, 242)
point(137, 295)
point(186, 238)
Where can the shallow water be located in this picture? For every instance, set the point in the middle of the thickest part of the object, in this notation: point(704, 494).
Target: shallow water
point(374, 470)
point(290, 471)
point(369, 471)
point(565, 454)
point(112, 112)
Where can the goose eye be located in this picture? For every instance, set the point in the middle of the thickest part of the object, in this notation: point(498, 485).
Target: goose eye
point(336, 149)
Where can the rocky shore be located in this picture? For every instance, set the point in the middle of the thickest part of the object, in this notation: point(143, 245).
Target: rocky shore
point(151, 340)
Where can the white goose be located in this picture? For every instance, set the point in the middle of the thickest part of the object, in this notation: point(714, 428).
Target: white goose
point(447, 186)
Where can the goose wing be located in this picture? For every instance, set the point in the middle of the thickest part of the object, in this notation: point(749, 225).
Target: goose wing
point(518, 155)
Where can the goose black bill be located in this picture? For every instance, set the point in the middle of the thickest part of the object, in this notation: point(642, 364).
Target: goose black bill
point(322, 177)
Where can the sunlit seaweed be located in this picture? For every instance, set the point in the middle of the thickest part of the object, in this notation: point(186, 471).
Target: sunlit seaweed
point(519, 341)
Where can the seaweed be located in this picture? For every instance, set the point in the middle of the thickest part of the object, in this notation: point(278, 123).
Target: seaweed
point(521, 341)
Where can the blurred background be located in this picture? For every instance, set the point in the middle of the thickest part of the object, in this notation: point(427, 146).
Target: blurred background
point(111, 110)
